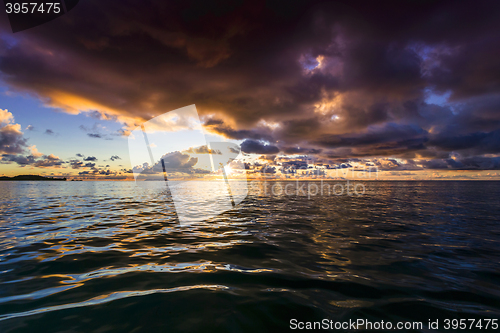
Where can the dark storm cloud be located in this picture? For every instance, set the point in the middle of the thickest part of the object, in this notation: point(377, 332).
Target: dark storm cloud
point(256, 147)
point(339, 79)
point(471, 163)
point(476, 143)
point(389, 133)
point(298, 150)
point(219, 127)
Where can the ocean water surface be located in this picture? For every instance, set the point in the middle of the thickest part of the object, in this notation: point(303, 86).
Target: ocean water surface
point(112, 257)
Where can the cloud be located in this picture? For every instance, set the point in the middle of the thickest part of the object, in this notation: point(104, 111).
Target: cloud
point(90, 158)
point(96, 131)
point(11, 137)
point(13, 145)
point(46, 161)
point(204, 150)
point(100, 172)
point(298, 150)
point(177, 161)
point(76, 164)
point(6, 117)
point(115, 157)
point(268, 157)
point(387, 139)
point(49, 132)
point(472, 143)
point(470, 163)
point(255, 147)
point(268, 170)
point(34, 151)
point(174, 162)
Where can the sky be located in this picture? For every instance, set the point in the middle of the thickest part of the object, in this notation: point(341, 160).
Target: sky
point(411, 88)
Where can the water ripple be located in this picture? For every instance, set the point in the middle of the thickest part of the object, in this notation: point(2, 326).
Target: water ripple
point(403, 251)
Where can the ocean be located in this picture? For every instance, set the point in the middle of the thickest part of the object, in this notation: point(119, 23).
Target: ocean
point(112, 257)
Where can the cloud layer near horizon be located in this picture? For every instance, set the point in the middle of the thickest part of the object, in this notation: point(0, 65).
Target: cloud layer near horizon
point(339, 80)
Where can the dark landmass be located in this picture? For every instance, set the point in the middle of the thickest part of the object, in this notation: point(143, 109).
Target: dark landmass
point(31, 177)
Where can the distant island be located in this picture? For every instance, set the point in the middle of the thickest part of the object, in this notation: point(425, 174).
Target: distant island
point(31, 177)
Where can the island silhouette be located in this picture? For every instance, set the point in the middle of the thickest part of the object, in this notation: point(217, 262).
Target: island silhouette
point(31, 177)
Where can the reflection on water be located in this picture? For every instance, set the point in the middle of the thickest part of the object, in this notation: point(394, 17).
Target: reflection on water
point(109, 256)
point(198, 200)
